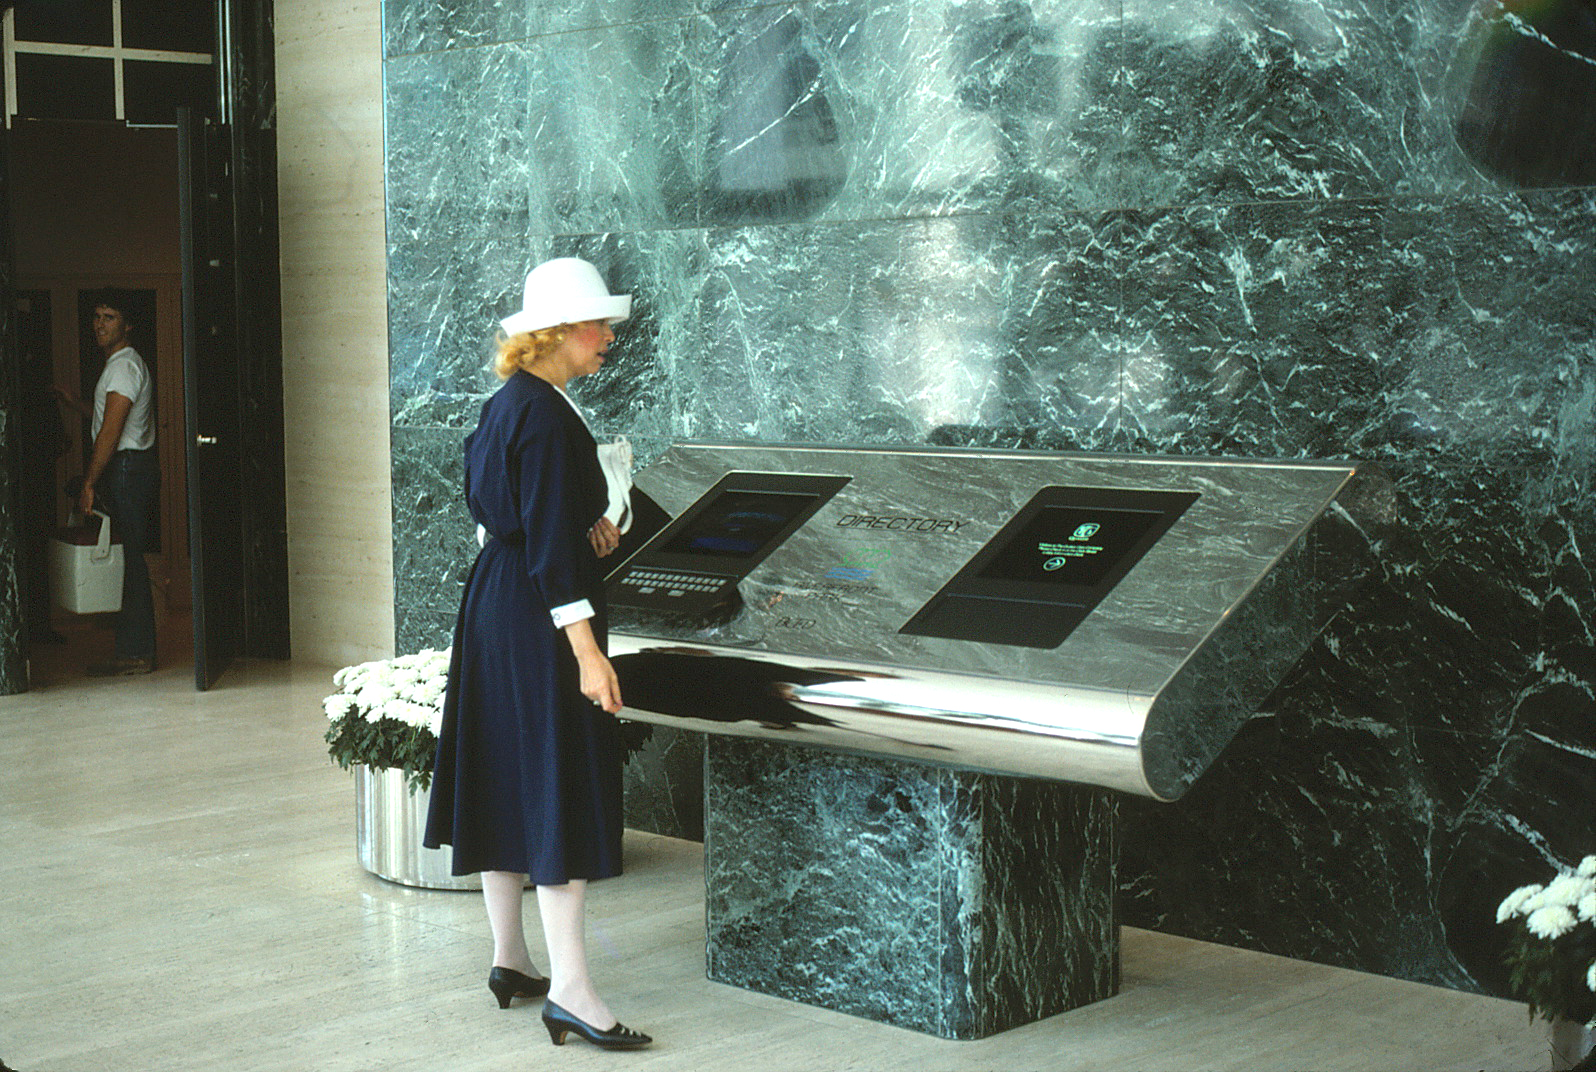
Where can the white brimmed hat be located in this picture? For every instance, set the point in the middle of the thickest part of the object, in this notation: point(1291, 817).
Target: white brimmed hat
point(566, 290)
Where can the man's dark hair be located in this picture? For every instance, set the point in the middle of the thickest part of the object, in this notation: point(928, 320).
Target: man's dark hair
point(121, 300)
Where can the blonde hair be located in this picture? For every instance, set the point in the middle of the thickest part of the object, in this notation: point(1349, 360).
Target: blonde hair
point(526, 349)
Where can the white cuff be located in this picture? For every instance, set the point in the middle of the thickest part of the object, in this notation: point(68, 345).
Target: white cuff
point(571, 612)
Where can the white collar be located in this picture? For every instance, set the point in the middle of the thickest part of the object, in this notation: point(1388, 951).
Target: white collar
point(572, 403)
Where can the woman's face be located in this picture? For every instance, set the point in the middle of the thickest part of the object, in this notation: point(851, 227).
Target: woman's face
point(584, 347)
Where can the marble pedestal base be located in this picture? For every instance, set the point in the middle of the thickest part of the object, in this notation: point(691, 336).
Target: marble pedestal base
point(663, 785)
point(952, 903)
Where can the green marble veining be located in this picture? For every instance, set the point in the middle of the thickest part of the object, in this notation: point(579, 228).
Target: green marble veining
point(1251, 229)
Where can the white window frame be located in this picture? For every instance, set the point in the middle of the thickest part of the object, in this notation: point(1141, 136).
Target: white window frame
point(116, 52)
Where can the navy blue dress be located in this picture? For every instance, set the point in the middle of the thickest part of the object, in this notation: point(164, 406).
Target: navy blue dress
point(528, 771)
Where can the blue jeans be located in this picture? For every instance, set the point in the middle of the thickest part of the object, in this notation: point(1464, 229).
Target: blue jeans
point(125, 492)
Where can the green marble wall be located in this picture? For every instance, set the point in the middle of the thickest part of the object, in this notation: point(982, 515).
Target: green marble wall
point(1285, 228)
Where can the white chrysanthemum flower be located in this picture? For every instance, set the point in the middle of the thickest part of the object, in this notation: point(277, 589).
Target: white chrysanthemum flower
point(1587, 907)
point(1550, 921)
point(1513, 903)
point(1590, 976)
point(378, 693)
point(414, 714)
point(386, 709)
point(360, 670)
point(1587, 867)
point(407, 688)
point(1566, 889)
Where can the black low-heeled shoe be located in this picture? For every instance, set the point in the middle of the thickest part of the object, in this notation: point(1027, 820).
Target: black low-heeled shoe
point(560, 1023)
point(507, 983)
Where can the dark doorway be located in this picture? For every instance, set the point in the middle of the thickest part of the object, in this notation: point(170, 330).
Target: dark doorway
point(33, 322)
point(74, 136)
point(42, 441)
point(94, 205)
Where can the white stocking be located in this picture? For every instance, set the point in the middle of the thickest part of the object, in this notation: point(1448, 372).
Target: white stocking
point(564, 912)
point(502, 892)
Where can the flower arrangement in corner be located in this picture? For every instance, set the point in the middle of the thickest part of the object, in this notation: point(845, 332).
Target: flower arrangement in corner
point(388, 713)
point(1551, 955)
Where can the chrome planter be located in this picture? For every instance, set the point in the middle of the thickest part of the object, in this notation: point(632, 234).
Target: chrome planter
point(1571, 1043)
point(389, 822)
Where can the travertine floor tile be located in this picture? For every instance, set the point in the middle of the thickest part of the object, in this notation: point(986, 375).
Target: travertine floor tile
point(180, 894)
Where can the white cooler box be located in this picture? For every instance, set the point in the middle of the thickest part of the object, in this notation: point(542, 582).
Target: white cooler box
point(85, 570)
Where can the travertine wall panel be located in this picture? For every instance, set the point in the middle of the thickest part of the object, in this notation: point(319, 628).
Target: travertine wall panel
point(335, 329)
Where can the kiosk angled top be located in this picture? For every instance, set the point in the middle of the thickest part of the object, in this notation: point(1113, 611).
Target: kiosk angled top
point(1054, 615)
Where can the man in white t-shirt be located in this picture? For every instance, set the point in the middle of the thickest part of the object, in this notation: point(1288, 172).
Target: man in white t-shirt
point(122, 478)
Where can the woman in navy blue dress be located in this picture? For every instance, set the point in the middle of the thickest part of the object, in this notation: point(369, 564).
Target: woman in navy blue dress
point(527, 782)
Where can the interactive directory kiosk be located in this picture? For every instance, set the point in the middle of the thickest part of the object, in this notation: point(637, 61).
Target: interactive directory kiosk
point(1108, 620)
point(1092, 620)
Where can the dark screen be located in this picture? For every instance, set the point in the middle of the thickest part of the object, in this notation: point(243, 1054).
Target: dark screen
point(738, 523)
point(1076, 545)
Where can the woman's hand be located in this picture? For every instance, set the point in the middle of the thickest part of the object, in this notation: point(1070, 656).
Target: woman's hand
point(599, 682)
point(604, 537)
